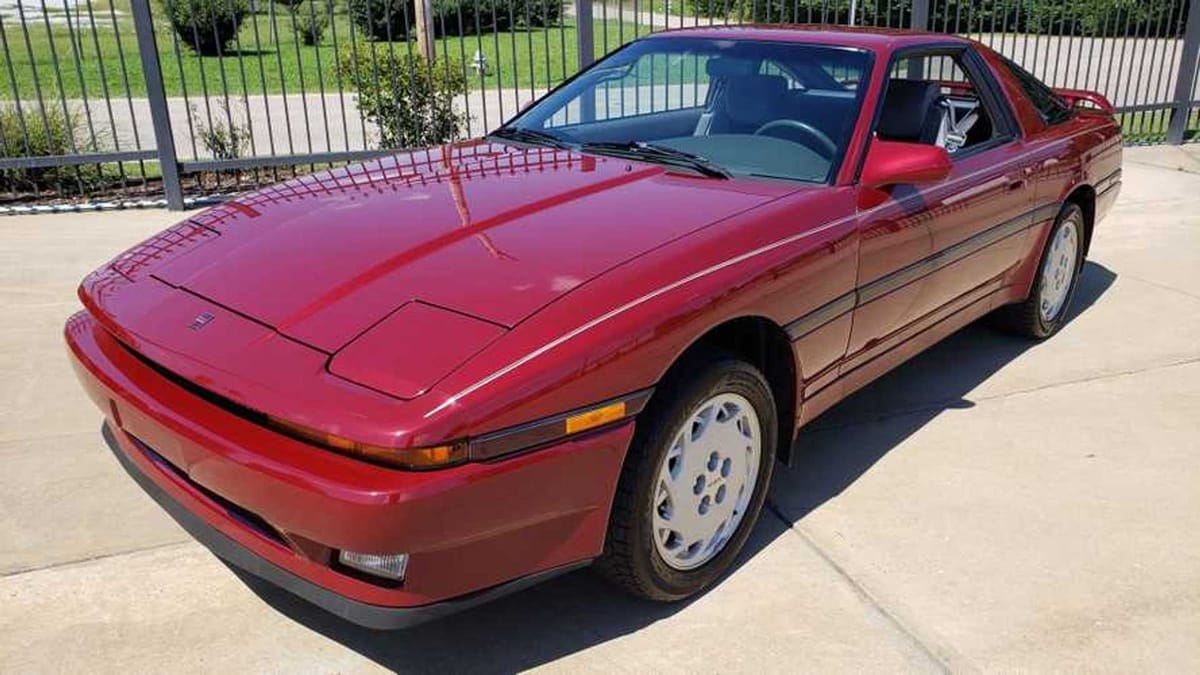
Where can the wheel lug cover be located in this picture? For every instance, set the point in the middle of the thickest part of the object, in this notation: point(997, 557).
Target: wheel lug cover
point(712, 461)
point(700, 485)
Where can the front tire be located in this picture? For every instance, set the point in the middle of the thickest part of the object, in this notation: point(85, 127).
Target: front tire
point(694, 481)
point(1045, 311)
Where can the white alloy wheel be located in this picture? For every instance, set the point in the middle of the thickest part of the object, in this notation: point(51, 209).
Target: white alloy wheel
point(1058, 271)
point(707, 480)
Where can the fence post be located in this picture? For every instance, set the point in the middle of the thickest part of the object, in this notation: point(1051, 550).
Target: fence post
point(143, 25)
point(423, 25)
point(1185, 81)
point(584, 45)
point(920, 15)
point(918, 21)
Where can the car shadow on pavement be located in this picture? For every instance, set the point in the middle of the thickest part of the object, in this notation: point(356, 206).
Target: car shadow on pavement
point(839, 446)
point(517, 632)
point(578, 610)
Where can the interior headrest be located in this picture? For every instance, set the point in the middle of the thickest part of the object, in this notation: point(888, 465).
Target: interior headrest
point(729, 66)
point(754, 99)
point(906, 106)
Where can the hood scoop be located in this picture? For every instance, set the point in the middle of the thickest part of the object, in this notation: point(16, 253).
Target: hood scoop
point(412, 349)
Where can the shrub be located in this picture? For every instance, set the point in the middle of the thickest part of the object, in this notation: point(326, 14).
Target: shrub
point(381, 19)
point(312, 17)
point(446, 15)
point(207, 26)
point(410, 100)
point(1092, 18)
point(810, 11)
point(1105, 17)
point(223, 137)
point(710, 8)
point(28, 134)
point(537, 13)
point(391, 20)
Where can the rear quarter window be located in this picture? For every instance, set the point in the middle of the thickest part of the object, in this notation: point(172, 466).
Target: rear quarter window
point(1050, 106)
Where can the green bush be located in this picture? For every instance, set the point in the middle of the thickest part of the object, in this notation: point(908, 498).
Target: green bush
point(711, 8)
point(381, 19)
point(207, 26)
point(391, 20)
point(1092, 18)
point(459, 17)
point(28, 134)
point(312, 17)
point(222, 135)
point(1105, 18)
point(541, 13)
point(410, 100)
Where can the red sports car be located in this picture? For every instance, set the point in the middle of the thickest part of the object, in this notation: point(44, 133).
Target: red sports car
point(403, 387)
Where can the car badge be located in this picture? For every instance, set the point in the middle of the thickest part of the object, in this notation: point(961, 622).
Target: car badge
point(201, 320)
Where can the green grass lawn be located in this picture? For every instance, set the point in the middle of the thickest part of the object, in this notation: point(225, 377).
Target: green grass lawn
point(679, 7)
point(1143, 128)
point(267, 57)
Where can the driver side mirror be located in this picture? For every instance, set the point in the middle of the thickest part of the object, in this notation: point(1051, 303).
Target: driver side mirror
point(895, 163)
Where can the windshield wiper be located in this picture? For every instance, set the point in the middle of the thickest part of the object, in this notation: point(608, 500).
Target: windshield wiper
point(531, 136)
point(661, 154)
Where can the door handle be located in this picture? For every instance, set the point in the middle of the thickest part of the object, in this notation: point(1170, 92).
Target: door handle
point(1015, 184)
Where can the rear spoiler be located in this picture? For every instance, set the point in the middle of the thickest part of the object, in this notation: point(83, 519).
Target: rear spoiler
point(1079, 98)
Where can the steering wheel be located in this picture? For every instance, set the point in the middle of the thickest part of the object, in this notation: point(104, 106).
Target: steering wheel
point(823, 145)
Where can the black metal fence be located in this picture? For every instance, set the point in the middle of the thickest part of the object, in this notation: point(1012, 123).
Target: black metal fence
point(117, 100)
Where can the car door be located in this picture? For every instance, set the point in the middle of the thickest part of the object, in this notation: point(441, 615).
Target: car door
point(928, 251)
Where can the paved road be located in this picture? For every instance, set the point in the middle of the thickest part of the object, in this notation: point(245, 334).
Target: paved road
point(992, 505)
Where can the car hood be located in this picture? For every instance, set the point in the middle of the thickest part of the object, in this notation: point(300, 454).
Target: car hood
point(486, 230)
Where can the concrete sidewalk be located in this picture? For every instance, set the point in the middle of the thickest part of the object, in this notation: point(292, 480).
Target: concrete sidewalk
point(992, 505)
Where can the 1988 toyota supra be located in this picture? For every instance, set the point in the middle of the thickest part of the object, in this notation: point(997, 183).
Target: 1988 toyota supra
point(403, 387)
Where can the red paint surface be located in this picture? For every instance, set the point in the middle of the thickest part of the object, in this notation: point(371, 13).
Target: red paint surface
point(414, 347)
point(449, 293)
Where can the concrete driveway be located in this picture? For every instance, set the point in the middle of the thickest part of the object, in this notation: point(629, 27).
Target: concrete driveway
point(992, 505)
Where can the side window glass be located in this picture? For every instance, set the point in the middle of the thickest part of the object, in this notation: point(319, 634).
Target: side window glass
point(933, 99)
point(1052, 108)
point(772, 68)
point(816, 75)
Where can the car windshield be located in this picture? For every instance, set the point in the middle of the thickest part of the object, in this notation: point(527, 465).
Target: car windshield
point(718, 108)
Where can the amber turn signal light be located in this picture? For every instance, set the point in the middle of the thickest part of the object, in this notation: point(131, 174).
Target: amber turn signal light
point(595, 417)
point(552, 429)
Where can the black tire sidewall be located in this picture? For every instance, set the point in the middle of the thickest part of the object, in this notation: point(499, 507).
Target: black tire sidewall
point(725, 375)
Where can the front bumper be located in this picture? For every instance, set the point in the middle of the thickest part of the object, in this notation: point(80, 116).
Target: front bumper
point(361, 613)
point(282, 509)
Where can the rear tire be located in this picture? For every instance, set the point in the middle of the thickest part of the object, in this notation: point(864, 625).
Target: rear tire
point(1045, 311)
point(694, 480)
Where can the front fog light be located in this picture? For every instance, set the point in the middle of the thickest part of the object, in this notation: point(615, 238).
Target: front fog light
point(386, 566)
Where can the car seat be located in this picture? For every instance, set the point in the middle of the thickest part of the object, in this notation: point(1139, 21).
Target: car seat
point(912, 112)
point(741, 100)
